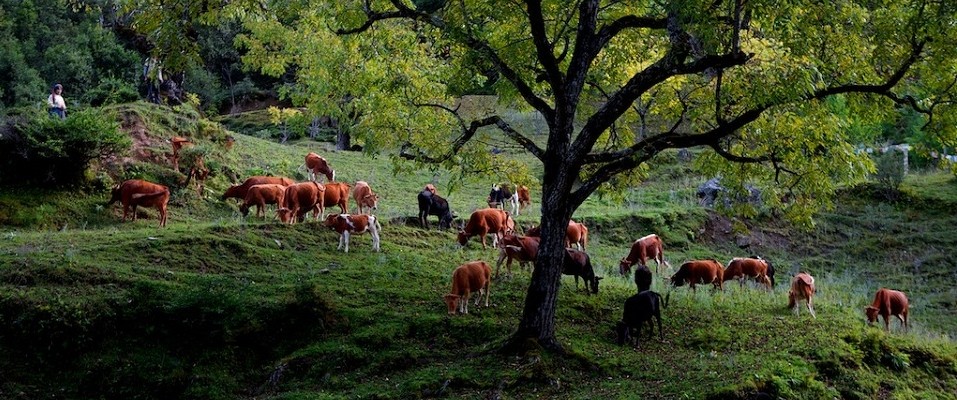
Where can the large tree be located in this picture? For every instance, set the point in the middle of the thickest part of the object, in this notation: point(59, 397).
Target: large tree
point(778, 91)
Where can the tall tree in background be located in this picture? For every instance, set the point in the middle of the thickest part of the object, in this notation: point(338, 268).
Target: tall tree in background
point(617, 83)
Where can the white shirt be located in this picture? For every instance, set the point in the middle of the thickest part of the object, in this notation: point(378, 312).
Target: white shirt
point(56, 101)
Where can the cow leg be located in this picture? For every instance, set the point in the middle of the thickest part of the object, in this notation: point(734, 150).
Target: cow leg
point(465, 302)
point(810, 308)
point(162, 211)
point(134, 212)
point(345, 235)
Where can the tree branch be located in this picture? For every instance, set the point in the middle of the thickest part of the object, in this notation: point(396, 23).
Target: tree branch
point(546, 55)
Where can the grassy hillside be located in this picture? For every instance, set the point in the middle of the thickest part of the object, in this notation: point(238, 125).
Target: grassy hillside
point(216, 306)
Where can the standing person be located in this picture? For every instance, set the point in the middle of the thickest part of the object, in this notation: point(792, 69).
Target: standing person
point(56, 103)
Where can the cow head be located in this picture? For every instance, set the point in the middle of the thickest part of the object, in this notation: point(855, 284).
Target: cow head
point(677, 280)
point(285, 215)
point(871, 313)
point(463, 237)
point(452, 301)
point(594, 284)
point(330, 221)
point(624, 267)
point(445, 222)
point(371, 201)
point(244, 209)
point(623, 331)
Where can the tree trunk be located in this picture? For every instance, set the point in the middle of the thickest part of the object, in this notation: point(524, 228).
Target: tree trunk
point(343, 139)
point(538, 317)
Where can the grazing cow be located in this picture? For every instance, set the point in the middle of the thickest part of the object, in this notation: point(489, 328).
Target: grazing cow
point(644, 306)
point(523, 198)
point(482, 222)
point(239, 191)
point(337, 193)
point(178, 143)
point(499, 195)
point(755, 268)
point(260, 195)
point(641, 250)
point(643, 278)
point(699, 271)
point(433, 204)
point(514, 247)
point(299, 199)
point(577, 263)
point(474, 276)
point(575, 234)
point(802, 288)
point(346, 224)
point(888, 303)
point(318, 165)
point(364, 197)
point(136, 192)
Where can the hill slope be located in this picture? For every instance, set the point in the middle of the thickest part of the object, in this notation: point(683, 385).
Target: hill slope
point(216, 306)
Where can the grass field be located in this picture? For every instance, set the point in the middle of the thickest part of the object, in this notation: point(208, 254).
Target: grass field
point(217, 306)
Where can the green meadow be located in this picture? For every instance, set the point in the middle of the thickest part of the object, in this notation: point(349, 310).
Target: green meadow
point(217, 306)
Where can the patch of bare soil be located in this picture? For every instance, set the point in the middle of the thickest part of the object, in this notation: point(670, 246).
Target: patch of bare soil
point(724, 230)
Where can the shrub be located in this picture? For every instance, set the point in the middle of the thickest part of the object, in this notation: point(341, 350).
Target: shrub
point(112, 91)
point(890, 172)
point(40, 150)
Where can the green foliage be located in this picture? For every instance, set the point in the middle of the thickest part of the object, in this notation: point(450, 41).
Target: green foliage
point(890, 172)
point(39, 149)
point(111, 91)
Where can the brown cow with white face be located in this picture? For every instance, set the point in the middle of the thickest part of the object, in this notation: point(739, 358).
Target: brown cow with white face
point(364, 197)
point(239, 191)
point(888, 303)
point(347, 225)
point(318, 165)
point(483, 222)
point(641, 250)
point(136, 192)
point(299, 199)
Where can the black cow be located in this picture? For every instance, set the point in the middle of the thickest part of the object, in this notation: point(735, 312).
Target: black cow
point(577, 263)
point(498, 196)
point(433, 204)
point(640, 308)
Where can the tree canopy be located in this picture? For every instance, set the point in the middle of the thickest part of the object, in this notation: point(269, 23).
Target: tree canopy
point(780, 92)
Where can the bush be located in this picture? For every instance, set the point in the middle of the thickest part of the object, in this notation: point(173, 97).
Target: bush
point(40, 150)
point(890, 172)
point(112, 91)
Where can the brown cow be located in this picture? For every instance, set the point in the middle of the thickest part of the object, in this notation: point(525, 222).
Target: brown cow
point(318, 165)
point(299, 199)
point(641, 250)
point(337, 193)
point(483, 222)
point(699, 271)
point(576, 234)
point(514, 247)
point(136, 192)
point(888, 303)
point(474, 276)
point(178, 143)
point(346, 225)
point(260, 195)
point(802, 288)
point(364, 196)
point(239, 191)
point(755, 268)
point(523, 198)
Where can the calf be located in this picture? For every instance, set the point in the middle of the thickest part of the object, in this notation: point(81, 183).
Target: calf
point(514, 247)
point(432, 204)
point(755, 268)
point(575, 234)
point(260, 195)
point(641, 250)
point(136, 192)
point(474, 276)
point(364, 197)
point(336, 194)
point(318, 165)
point(577, 263)
point(802, 288)
point(299, 199)
point(483, 222)
point(523, 198)
point(644, 306)
point(888, 303)
point(346, 224)
point(239, 191)
point(699, 271)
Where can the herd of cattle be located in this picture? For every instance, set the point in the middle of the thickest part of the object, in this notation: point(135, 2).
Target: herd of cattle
point(294, 201)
